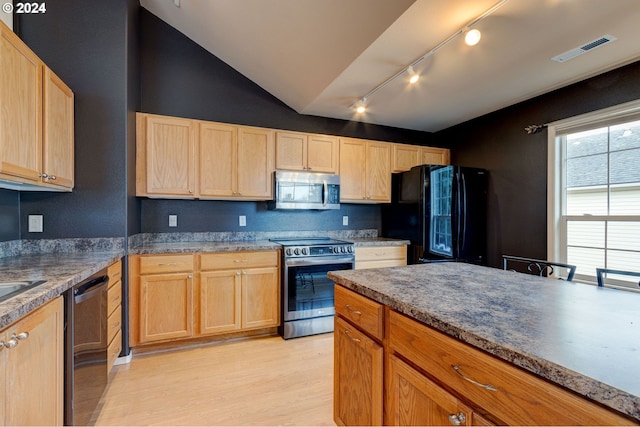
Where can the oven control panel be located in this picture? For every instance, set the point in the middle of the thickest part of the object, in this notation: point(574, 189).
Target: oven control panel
point(319, 250)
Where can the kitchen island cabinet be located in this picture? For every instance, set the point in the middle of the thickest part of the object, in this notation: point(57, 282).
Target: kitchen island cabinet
point(31, 362)
point(501, 347)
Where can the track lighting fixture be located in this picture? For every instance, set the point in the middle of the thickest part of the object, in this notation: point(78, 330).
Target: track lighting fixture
point(413, 76)
point(472, 37)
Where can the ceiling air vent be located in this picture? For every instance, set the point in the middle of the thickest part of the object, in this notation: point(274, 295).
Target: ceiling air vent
point(570, 54)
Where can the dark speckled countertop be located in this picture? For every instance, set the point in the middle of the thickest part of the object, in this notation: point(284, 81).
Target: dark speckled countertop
point(582, 337)
point(60, 271)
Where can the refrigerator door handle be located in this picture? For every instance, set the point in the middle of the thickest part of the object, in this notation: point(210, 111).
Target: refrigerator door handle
point(464, 210)
point(458, 215)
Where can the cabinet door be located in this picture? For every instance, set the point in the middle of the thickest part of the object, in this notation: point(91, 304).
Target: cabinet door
point(291, 151)
point(57, 142)
point(255, 163)
point(219, 301)
point(322, 153)
point(352, 169)
point(166, 307)
point(414, 400)
point(218, 159)
point(21, 103)
point(378, 171)
point(34, 369)
point(170, 156)
point(260, 297)
point(434, 156)
point(357, 382)
point(404, 157)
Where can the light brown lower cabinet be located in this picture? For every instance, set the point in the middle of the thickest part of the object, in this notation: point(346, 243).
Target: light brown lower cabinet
point(31, 363)
point(431, 378)
point(114, 313)
point(179, 297)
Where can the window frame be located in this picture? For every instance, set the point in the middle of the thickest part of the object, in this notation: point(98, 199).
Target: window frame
point(556, 193)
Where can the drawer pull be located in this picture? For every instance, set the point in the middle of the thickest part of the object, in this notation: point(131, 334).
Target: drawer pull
point(485, 386)
point(348, 307)
point(457, 419)
point(347, 332)
point(241, 260)
point(168, 263)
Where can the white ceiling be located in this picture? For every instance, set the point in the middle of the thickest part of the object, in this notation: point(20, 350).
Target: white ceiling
point(320, 56)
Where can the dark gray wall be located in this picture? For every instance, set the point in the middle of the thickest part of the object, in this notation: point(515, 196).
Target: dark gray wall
point(517, 162)
point(87, 45)
point(179, 78)
point(9, 215)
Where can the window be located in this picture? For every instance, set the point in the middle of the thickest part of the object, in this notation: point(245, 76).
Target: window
point(594, 192)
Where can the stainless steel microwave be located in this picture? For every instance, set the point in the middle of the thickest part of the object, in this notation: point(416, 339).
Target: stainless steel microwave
point(306, 190)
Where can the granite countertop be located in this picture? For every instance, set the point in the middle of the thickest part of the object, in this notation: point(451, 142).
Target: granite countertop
point(61, 271)
point(582, 337)
point(377, 241)
point(193, 246)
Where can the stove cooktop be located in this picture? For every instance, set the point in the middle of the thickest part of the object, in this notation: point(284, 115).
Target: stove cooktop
point(310, 241)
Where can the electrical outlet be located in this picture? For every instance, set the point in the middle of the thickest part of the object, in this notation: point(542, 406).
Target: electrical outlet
point(345, 220)
point(242, 220)
point(173, 220)
point(35, 223)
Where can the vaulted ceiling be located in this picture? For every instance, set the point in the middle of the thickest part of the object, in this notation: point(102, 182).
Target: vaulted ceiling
point(321, 56)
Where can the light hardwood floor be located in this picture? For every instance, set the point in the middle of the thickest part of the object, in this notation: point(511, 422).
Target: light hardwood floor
point(259, 381)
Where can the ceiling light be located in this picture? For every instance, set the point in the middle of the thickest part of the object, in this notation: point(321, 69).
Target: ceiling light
point(472, 37)
point(361, 106)
point(413, 76)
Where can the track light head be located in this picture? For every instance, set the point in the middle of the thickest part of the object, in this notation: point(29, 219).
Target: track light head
point(413, 76)
point(472, 37)
point(361, 106)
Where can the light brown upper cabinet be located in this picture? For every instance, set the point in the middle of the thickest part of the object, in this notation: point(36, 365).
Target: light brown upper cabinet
point(306, 152)
point(405, 156)
point(184, 158)
point(42, 160)
point(365, 171)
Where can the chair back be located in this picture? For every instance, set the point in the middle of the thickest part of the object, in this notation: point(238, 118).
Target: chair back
point(539, 267)
point(600, 272)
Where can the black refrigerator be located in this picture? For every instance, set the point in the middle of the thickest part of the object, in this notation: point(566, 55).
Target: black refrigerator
point(442, 210)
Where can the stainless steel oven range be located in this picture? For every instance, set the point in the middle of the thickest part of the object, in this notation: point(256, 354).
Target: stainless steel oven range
point(307, 293)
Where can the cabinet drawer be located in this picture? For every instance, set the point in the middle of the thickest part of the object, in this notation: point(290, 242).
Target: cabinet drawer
point(232, 260)
point(517, 398)
point(364, 313)
point(165, 264)
point(114, 350)
point(114, 297)
point(115, 272)
point(114, 323)
point(362, 265)
point(376, 253)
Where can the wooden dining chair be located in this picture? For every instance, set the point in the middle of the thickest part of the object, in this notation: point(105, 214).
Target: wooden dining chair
point(600, 272)
point(539, 267)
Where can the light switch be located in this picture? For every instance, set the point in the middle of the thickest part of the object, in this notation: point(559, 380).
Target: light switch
point(345, 220)
point(242, 220)
point(35, 223)
point(173, 220)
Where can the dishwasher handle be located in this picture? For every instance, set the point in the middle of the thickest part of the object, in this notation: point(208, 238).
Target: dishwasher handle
point(89, 289)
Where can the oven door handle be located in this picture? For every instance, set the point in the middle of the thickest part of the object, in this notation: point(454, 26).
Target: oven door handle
point(318, 261)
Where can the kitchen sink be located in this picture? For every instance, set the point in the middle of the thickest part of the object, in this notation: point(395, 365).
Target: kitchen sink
point(11, 289)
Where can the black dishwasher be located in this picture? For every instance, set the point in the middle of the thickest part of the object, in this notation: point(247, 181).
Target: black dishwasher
point(85, 348)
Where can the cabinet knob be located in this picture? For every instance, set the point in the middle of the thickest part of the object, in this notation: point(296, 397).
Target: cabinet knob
point(457, 419)
point(52, 177)
point(43, 175)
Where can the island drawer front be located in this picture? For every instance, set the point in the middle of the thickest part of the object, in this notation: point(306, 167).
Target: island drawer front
point(520, 398)
point(115, 272)
point(114, 323)
point(375, 253)
point(114, 297)
point(115, 347)
point(364, 313)
point(233, 260)
point(154, 264)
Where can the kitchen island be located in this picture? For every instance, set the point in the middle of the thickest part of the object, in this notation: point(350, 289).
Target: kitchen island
point(582, 338)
